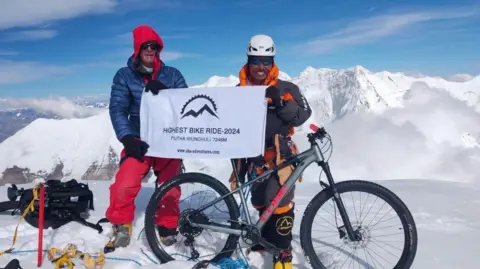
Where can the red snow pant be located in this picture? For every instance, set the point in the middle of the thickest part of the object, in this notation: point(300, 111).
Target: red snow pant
point(127, 186)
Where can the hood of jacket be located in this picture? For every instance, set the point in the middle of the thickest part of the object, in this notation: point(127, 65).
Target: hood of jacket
point(142, 34)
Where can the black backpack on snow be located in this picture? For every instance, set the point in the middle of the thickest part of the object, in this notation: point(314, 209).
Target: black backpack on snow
point(64, 202)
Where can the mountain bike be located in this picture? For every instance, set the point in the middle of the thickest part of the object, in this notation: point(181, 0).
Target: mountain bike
point(353, 235)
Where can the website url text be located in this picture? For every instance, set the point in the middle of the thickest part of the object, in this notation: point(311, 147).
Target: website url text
point(203, 151)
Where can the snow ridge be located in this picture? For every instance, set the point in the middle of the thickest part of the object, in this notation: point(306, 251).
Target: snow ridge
point(87, 148)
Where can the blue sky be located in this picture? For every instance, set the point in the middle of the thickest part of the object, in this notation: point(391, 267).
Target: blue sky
point(74, 47)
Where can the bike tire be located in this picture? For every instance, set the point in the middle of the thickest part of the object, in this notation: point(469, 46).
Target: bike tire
point(402, 211)
point(190, 177)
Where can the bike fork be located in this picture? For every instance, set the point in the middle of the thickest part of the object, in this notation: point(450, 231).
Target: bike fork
point(339, 202)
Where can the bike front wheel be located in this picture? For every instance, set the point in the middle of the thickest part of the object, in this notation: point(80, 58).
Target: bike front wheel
point(375, 246)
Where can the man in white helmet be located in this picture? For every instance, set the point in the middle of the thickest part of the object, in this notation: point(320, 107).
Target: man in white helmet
point(287, 109)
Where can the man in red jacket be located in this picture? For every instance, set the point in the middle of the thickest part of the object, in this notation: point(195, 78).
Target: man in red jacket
point(144, 72)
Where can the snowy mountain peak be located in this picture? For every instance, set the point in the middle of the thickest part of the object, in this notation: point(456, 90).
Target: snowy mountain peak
point(231, 80)
point(337, 92)
point(360, 69)
point(309, 70)
point(54, 149)
point(217, 81)
point(284, 76)
point(70, 149)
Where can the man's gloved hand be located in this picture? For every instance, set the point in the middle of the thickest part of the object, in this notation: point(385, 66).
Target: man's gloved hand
point(274, 94)
point(135, 147)
point(155, 87)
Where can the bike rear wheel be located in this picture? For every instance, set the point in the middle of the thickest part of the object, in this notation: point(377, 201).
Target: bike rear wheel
point(219, 190)
point(369, 259)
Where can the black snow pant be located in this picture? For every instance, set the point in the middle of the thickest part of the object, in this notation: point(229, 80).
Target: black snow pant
point(278, 229)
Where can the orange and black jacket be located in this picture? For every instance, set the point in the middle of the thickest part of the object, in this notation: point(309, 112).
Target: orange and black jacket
point(294, 113)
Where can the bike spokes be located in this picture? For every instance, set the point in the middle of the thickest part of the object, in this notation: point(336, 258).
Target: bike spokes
point(193, 242)
point(379, 228)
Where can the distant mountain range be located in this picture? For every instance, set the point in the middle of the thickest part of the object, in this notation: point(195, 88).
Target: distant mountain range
point(16, 114)
point(79, 142)
point(13, 120)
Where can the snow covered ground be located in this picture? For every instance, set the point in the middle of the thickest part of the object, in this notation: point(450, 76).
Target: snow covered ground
point(426, 151)
point(446, 214)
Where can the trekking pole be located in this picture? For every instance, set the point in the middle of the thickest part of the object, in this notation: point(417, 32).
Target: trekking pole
point(40, 225)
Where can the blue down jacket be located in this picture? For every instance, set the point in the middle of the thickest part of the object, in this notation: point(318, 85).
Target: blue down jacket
point(126, 94)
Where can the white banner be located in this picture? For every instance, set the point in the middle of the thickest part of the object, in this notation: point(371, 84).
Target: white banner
point(217, 122)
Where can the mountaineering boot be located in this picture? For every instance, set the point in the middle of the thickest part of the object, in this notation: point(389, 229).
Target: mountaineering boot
point(120, 237)
point(168, 237)
point(283, 260)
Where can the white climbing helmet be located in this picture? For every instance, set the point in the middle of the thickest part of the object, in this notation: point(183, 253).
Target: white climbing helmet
point(261, 45)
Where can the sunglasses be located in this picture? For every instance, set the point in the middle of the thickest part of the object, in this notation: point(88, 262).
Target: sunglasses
point(151, 45)
point(257, 61)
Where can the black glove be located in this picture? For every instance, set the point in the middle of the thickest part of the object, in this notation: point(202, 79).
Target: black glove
point(134, 147)
point(273, 93)
point(155, 86)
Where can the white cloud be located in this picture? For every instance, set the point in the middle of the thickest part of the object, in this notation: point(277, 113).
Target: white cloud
point(124, 53)
point(127, 38)
point(132, 5)
point(459, 77)
point(20, 13)
point(371, 29)
point(31, 35)
point(423, 140)
point(19, 72)
point(59, 106)
point(173, 55)
point(27, 13)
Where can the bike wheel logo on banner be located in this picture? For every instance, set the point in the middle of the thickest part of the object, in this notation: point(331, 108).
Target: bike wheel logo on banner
point(209, 107)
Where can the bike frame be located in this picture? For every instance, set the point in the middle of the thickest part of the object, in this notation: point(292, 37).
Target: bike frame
point(303, 160)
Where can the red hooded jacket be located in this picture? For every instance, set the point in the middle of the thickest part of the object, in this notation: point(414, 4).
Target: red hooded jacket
point(142, 34)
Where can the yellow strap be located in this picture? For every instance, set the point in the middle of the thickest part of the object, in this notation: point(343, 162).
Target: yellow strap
point(30, 207)
point(69, 252)
point(54, 254)
point(90, 263)
point(64, 259)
